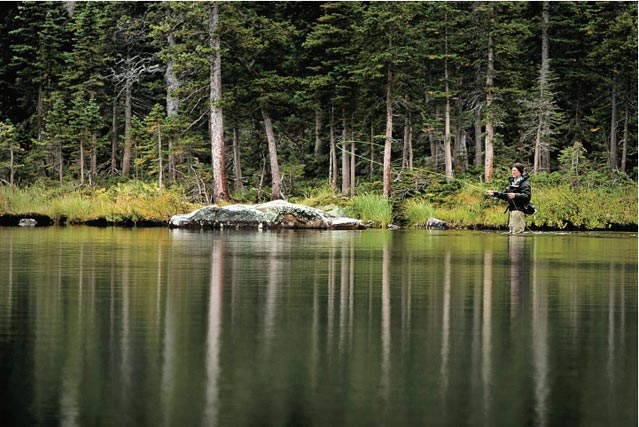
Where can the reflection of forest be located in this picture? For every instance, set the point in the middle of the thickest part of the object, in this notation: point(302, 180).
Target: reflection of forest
point(221, 326)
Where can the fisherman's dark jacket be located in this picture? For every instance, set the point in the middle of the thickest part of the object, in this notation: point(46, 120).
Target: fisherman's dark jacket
point(522, 192)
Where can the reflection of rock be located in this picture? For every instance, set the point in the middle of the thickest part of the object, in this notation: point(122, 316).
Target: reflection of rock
point(275, 214)
point(436, 224)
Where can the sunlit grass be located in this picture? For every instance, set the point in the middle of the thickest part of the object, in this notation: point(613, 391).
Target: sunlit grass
point(125, 202)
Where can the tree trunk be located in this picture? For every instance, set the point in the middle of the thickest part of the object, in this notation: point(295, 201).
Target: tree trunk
point(352, 168)
point(405, 144)
point(93, 176)
point(237, 168)
point(389, 134)
point(40, 112)
point(346, 174)
point(114, 137)
point(613, 128)
point(60, 163)
point(372, 162)
point(81, 162)
point(332, 162)
point(624, 146)
point(276, 181)
point(216, 122)
point(447, 150)
point(540, 146)
point(488, 160)
point(160, 165)
point(410, 141)
point(434, 152)
point(478, 161)
point(318, 129)
point(11, 168)
point(172, 101)
point(460, 148)
point(126, 155)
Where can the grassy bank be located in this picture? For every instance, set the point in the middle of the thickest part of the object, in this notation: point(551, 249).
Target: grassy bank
point(596, 204)
point(123, 204)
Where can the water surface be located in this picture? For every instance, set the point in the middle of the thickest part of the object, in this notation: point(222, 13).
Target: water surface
point(235, 328)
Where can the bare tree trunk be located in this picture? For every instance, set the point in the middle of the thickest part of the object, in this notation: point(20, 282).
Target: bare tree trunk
point(40, 112)
point(114, 137)
point(478, 161)
point(332, 163)
point(613, 128)
point(81, 162)
point(94, 160)
point(405, 144)
point(389, 134)
point(60, 163)
point(237, 168)
point(447, 149)
point(318, 129)
point(276, 181)
point(352, 168)
point(11, 168)
point(624, 146)
point(346, 174)
point(540, 146)
point(410, 141)
point(216, 122)
point(160, 165)
point(172, 101)
point(488, 160)
point(434, 151)
point(461, 146)
point(126, 155)
point(372, 162)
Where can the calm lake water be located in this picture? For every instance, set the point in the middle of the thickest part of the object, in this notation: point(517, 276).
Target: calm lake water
point(166, 327)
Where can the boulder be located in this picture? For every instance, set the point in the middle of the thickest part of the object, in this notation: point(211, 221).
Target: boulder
point(27, 222)
point(275, 214)
point(437, 224)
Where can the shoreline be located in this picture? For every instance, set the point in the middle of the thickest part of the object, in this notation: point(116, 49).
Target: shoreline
point(13, 220)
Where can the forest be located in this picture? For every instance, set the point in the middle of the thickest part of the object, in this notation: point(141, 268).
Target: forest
point(251, 101)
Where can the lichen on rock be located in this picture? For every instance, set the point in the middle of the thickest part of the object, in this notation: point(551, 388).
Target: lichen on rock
point(275, 214)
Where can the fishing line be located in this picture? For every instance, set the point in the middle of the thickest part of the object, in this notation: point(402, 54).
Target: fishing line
point(340, 145)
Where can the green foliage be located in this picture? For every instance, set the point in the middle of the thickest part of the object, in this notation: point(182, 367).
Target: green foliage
point(64, 79)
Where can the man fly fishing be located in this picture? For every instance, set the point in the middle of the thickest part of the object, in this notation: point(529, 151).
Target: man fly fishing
point(517, 193)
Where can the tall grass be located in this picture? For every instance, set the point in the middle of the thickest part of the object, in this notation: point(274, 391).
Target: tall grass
point(130, 202)
point(559, 205)
point(417, 212)
point(373, 208)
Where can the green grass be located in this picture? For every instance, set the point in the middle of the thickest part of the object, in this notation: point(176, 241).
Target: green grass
point(373, 208)
point(417, 212)
point(132, 202)
point(595, 206)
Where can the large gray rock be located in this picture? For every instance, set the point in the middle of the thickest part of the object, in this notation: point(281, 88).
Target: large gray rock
point(275, 214)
